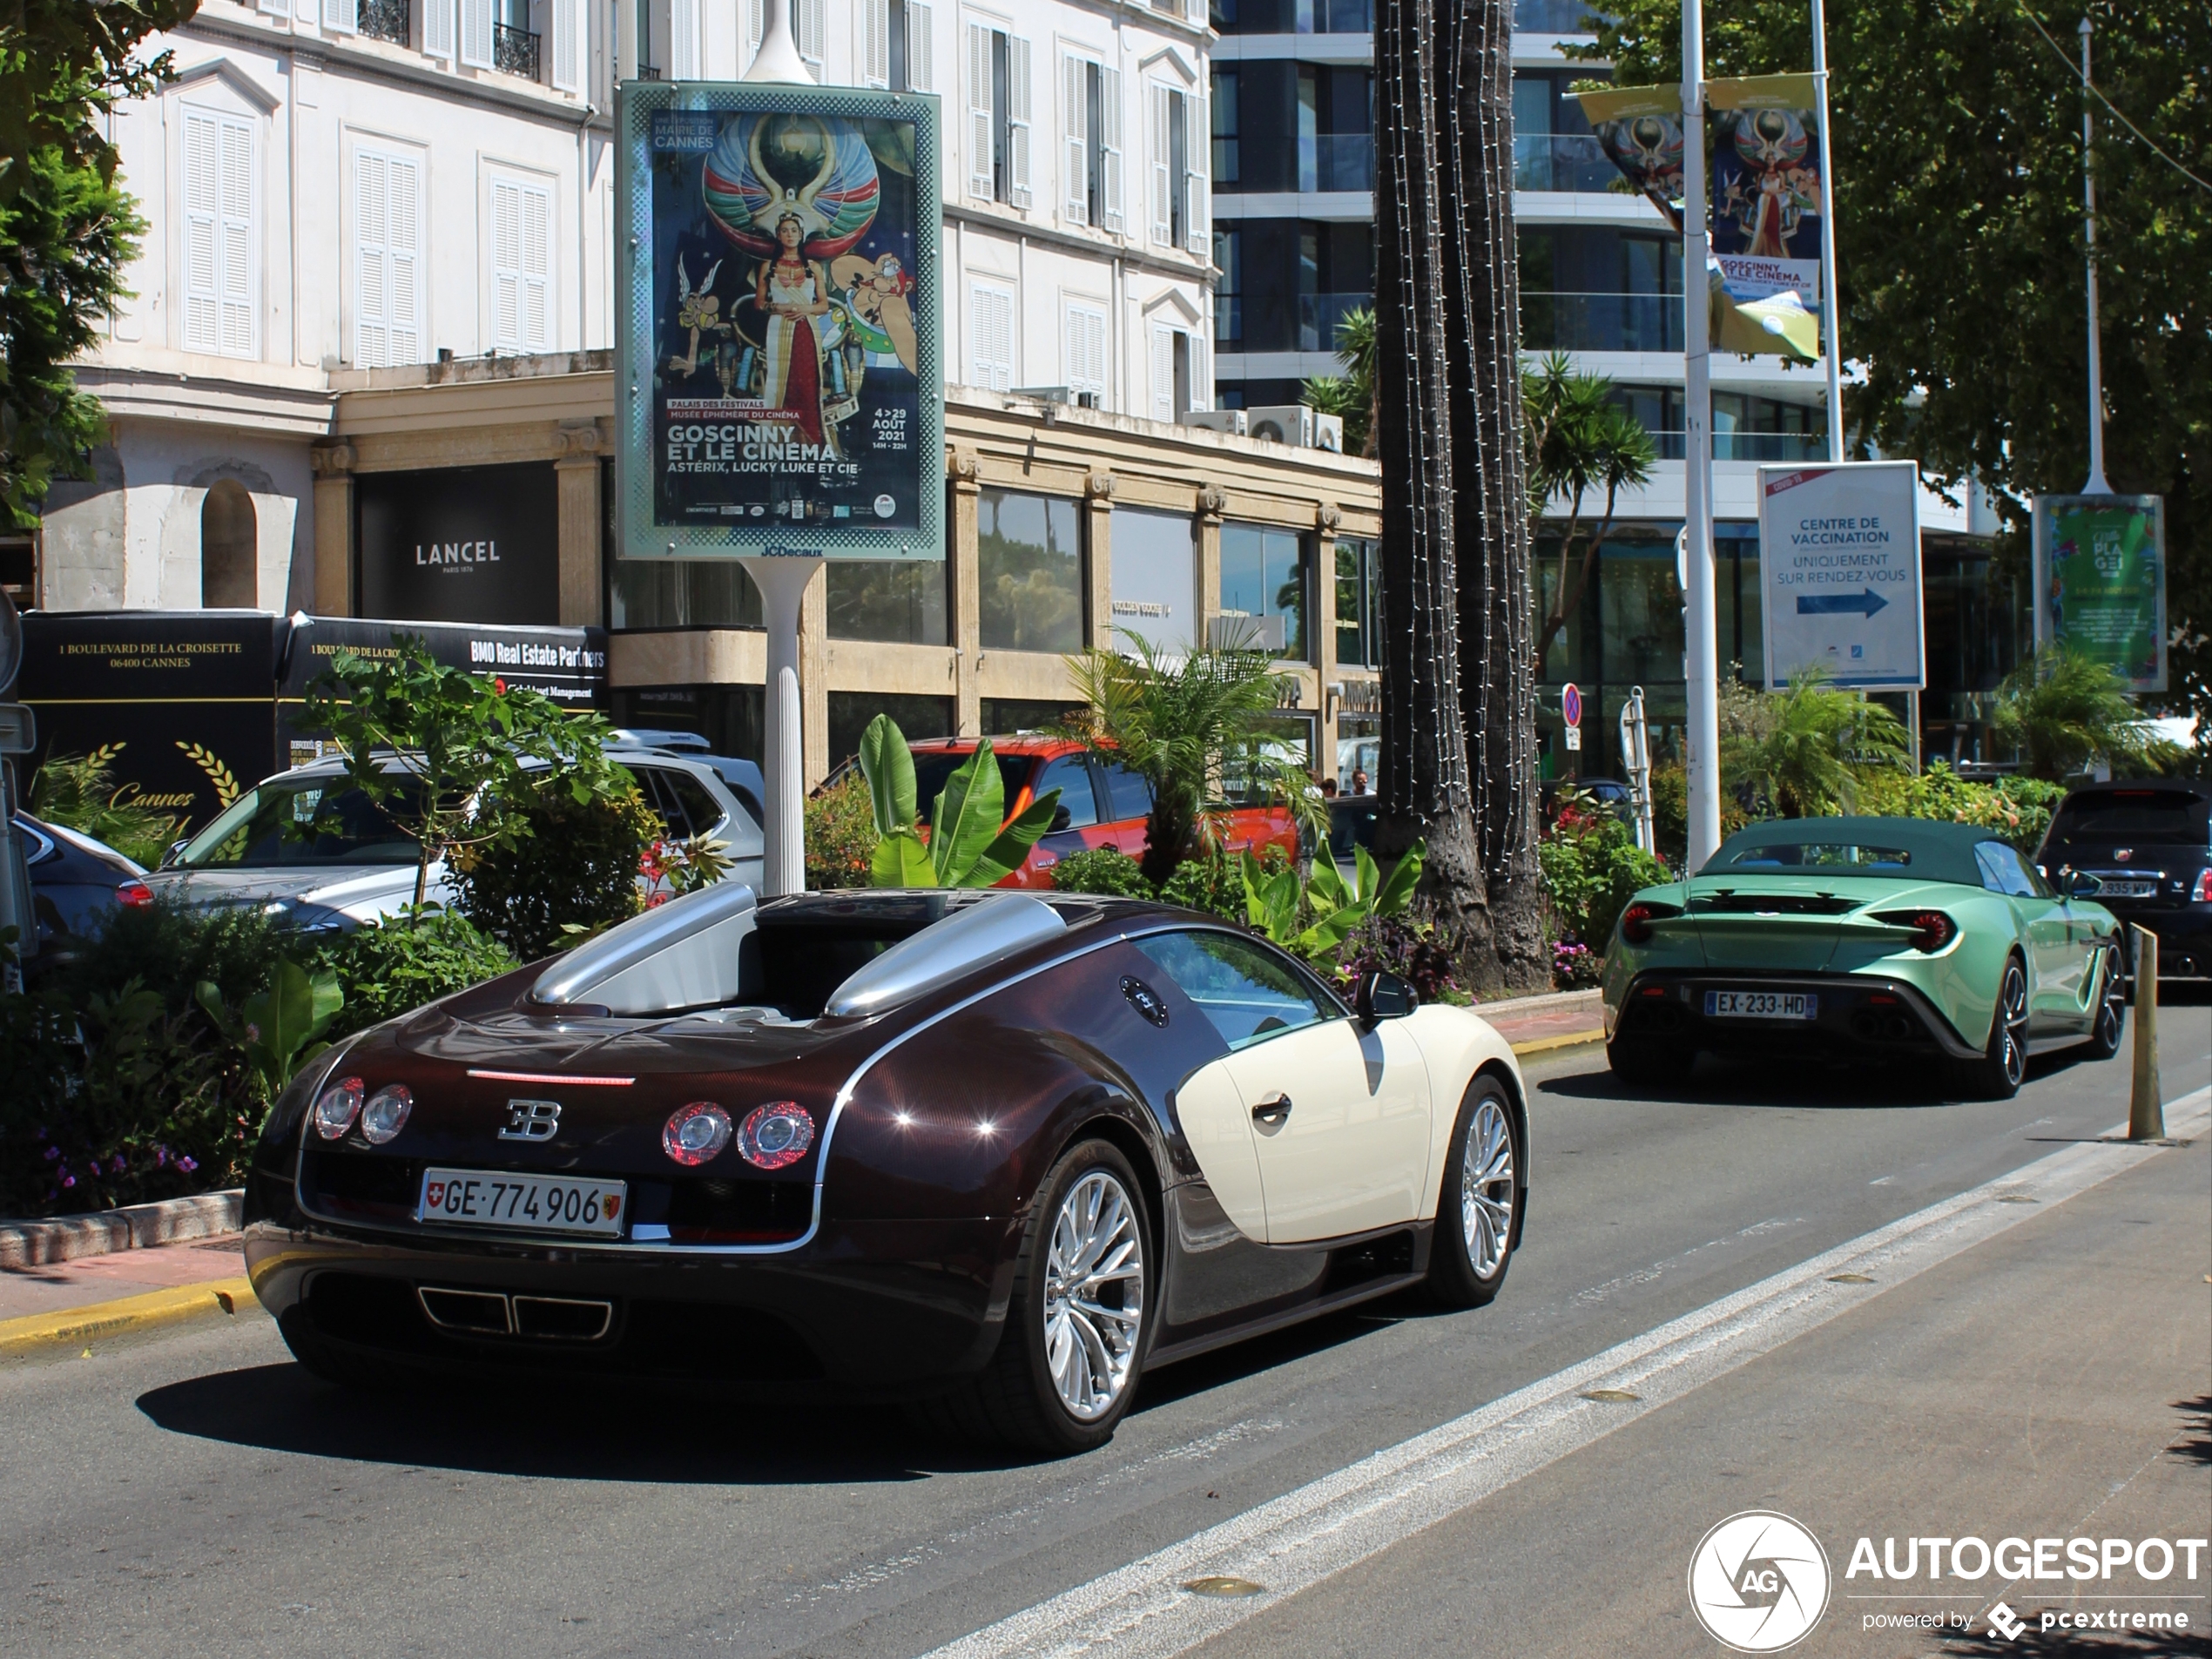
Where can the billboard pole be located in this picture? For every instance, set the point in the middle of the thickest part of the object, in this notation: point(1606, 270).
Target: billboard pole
point(1829, 312)
point(2096, 486)
point(1701, 643)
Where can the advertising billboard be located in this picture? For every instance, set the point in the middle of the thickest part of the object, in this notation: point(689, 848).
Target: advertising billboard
point(2101, 582)
point(778, 379)
point(468, 544)
point(1640, 130)
point(1766, 181)
point(1839, 552)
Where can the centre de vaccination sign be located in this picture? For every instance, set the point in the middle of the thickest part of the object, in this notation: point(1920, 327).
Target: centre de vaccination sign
point(779, 375)
point(1839, 552)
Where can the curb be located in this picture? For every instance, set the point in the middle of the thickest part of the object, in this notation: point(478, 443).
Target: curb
point(103, 1319)
point(138, 1226)
point(1546, 1000)
point(1565, 1040)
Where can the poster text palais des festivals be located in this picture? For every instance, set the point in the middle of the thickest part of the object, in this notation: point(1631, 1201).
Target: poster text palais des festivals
point(784, 379)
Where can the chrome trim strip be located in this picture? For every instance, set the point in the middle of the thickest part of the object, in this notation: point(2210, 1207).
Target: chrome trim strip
point(550, 1077)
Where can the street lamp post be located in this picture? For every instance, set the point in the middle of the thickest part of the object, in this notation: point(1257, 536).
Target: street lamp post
point(1701, 663)
point(2096, 486)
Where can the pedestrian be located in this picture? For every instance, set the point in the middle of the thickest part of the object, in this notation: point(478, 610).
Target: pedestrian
point(1328, 789)
point(1358, 781)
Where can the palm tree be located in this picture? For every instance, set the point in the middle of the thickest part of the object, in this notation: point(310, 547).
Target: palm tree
point(1352, 394)
point(1578, 440)
point(2063, 710)
point(1189, 725)
point(1815, 744)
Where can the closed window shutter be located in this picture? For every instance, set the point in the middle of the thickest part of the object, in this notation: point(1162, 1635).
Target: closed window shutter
point(537, 269)
point(979, 112)
point(1163, 373)
point(372, 266)
point(202, 190)
point(991, 326)
point(341, 16)
point(437, 28)
point(568, 45)
point(475, 33)
point(684, 40)
point(756, 26)
point(276, 8)
point(234, 275)
point(1200, 379)
point(1017, 120)
point(1199, 12)
point(506, 265)
point(1197, 145)
point(921, 47)
point(405, 255)
point(875, 27)
point(1110, 145)
point(1163, 110)
point(1086, 365)
point(812, 28)
point(1075, 148)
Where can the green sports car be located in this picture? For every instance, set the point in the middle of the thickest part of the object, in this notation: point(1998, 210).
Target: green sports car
point(1872, 938)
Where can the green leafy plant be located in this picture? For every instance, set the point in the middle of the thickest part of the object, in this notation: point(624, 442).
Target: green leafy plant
point(448, 756)
point(1106, 871)
point(390, 968)
point(1418, 951)
point(1576, 439)
point(1592, 867)
point(1214, 882)
point(78, 791)
point(573, 869)
point(2063, 710)
point(841, 833)
point(2017, 809)
point(278, 1029)
point(969, 844)
point(1315, 918)
point(1351, 395)
point(1184, 723)
point(1821, 744)
point(673, 869)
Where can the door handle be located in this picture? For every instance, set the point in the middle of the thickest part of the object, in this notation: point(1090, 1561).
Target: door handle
point(1272, 1112)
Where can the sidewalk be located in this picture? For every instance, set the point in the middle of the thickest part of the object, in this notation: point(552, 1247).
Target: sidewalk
point(100, 1295)
point(1534, 1024)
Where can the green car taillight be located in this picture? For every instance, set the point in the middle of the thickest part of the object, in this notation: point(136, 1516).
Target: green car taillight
point(1637, 919)
point(1932, 930)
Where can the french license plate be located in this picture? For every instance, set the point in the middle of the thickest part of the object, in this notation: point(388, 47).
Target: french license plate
point(1762, 1005)
point(528, 1202)
point(2111, 888)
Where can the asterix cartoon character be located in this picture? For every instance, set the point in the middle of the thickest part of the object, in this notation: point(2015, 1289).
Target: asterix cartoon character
point(698, 310)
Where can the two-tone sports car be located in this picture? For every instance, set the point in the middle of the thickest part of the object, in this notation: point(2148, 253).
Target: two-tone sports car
point(996, 1151)
point(1879, 938)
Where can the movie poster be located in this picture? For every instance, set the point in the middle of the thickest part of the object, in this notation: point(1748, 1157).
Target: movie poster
point(786, 360)
point(1639, 128)
point(1765, 174)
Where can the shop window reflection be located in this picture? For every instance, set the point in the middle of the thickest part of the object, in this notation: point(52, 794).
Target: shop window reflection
point(1029, 572)
point(1264, 574)
point(894, 601)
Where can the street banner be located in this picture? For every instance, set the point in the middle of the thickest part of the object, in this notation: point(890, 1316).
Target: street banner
point(2101, 582)
point(1765, 175)
point(1840, 554)
point(779, 384)
point(1639, 128)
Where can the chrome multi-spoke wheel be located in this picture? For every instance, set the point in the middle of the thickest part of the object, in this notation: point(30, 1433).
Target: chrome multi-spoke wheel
point(2112, 1010)
point(2011, 1014)
point(1094, 1294)
point(1487, 1187)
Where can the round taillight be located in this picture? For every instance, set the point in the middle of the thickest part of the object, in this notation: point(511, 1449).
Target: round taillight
point(775, 1135)
point(386, 1114)
point(132, 894)
point(1932, 930)
point(1636, 923)
point(337, 1108)
point(695, 1133)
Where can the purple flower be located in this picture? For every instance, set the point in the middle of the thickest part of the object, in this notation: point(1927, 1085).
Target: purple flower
point(188, 1165)
point(160, 1157)
point(119, 1165)
point(69, 1181)
point(52, 1152)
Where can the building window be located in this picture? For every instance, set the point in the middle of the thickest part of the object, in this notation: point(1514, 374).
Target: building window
point(1007, 717)
point(1229, 289)
point(1091, 131)
point(229, 558)
point(1264, 576)
point(1226, 160)
point(898, 601)
point(681, 593)
point(807, 26)
point(1155, 581)
point(990, 336)
point(1358, 601)
point(1085, 356)
point(1180, 138)
point(1178, 376)
point(899, 46)
point(1029, 572)
point(916, 717)
point(998, 116)
point(520, 265)
point(222, 235)
point(387, 259)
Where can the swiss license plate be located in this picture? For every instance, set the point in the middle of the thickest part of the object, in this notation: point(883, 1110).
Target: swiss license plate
point(2112, 888)
point(561, 1204)
point(1762, 1005)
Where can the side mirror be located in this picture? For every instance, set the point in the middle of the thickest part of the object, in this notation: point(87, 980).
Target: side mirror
point(1383, 996)
point(1061, 819)
point(2078, 884)
point(175, 848)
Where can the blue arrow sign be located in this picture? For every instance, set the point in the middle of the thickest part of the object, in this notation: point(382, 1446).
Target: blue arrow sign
point(1840, 604)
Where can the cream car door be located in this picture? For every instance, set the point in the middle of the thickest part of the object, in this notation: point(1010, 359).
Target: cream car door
point(1219, 1127)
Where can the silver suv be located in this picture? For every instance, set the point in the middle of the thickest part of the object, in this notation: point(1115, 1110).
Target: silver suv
point(364, 868)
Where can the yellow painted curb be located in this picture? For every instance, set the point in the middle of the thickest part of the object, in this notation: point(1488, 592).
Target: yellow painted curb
point(101, 1320)
point(1566, 1040)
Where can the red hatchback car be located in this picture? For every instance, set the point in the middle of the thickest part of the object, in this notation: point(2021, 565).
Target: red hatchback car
point(1102, 804)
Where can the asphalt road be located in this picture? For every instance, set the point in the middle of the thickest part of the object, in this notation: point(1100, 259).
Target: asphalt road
point(194, 1493)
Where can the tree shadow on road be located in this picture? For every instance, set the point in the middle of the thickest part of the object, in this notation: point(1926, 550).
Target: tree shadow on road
point(1765, 1083)
point(554, 1428)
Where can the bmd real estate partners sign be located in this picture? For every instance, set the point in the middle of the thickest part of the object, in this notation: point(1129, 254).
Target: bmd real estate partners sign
point(1840, 547)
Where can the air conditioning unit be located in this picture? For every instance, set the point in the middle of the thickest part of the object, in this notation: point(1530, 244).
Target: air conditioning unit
point(1240, 631)
point(1230, 421)
point(1289, 423)
point(1328, 433)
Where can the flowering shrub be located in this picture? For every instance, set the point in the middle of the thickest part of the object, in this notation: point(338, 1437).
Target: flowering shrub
point(673, 869)
point(1416, 951)
point(1592, 867)
point(1575, 966)
point(1104, 870)
point(2017, 809)
point(841, 833)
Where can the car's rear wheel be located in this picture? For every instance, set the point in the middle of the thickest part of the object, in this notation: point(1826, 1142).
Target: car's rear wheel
point(2112, 1005)
point(1080, 1320)
point(1997, 1073)
point(1647, 1062)
point(1478, 1211)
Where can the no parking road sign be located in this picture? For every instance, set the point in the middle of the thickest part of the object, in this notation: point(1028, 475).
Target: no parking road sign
point(1839, 547)
point(1570, 708)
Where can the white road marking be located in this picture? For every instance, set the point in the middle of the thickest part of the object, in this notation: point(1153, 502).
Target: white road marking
point(1321, 1528)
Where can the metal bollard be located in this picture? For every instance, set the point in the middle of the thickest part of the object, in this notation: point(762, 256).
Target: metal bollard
point(2146, 1111)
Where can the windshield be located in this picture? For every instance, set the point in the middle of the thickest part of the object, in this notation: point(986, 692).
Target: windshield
point(1822, 858)
point(265, 827)
point(2135, 815)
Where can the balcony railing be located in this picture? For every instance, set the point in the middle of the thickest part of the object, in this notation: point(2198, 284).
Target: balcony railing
point(1320, 314)
point(514, 51)
point(385, 20)
point(1335, 17)
point(1749, 446)
point(1601, 322)
point(1337, 161)
point(1551, 16)
point(1562, 161)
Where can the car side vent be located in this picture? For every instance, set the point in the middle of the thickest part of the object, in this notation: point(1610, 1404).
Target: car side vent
point(969, 939)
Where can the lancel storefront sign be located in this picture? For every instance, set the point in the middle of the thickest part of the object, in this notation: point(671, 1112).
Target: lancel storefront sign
point(460, 544)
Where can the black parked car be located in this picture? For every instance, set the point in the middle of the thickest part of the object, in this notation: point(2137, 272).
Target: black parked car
point(2149, 844)
point(75, 882)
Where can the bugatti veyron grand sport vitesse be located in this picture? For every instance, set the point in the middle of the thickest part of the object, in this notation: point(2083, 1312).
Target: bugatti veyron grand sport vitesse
point(989, 1154)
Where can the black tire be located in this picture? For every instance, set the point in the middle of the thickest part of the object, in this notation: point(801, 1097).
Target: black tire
point(2112, 1005)
point(1464, 1270)
point(1016, 1400)
point(1997, 1073)
point(1646, 1062)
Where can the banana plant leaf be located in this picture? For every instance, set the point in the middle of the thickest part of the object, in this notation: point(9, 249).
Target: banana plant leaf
point(1006, 854)
point(888, 766)
point(967, 821)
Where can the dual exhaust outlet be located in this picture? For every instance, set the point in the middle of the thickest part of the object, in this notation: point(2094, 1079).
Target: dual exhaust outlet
point(494, 1314)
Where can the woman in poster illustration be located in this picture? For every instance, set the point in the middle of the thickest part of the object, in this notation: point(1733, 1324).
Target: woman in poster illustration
point(800, 191)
